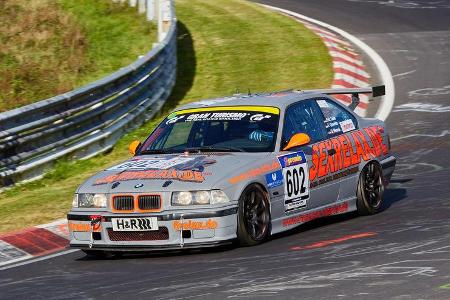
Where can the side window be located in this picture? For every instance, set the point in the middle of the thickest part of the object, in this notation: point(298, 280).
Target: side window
point(337, 119)
point(303, 117)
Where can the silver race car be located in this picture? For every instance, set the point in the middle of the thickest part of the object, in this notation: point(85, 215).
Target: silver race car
point(236, 169)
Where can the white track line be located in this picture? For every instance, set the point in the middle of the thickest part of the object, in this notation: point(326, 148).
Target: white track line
point(387, 101)
point(30, 261)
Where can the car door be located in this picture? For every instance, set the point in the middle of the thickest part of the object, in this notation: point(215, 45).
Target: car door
point(300, 190)
point(340, 124)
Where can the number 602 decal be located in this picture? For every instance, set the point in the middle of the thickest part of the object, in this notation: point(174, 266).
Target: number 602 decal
point(296, 180)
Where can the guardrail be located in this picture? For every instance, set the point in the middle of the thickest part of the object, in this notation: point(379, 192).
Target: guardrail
point(88, 120)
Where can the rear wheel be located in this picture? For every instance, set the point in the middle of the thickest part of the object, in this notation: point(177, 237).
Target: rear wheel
point(370, 190)
point(253, 216)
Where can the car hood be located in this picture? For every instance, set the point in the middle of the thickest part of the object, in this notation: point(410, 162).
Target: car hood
point(172, 172)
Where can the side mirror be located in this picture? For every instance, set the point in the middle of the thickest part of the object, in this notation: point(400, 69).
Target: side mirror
point(134, 145)
point(298, 139)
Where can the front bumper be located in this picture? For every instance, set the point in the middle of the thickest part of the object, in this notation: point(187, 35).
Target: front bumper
point(169, 237)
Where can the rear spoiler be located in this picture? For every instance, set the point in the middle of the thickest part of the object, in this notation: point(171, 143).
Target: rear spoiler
point(376, 91)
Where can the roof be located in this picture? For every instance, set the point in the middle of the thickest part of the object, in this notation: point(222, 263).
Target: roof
point(278, 99)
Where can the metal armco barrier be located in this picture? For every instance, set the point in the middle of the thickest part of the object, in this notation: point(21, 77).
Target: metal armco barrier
point(89, 120)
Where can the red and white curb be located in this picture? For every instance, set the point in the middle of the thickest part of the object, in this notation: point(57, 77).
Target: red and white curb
point(349, 70)
point(347, 65)
point(33, 242)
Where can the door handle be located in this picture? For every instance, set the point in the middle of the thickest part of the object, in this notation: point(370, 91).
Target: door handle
point(331, 151)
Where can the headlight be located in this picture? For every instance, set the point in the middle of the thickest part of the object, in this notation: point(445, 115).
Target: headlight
point(218, 196)
point(181, 198)
point(202, 197)
point(199, 197)
point(89, 200)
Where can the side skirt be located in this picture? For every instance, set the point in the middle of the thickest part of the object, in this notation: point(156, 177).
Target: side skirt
point(293, 220)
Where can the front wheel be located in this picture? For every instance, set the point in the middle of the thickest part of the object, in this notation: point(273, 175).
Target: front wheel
point(370, 190)
point(253, 216)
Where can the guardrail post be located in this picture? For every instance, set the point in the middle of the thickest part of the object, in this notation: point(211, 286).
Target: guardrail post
point(150, 10)
point(141, 6)
point(163, 18)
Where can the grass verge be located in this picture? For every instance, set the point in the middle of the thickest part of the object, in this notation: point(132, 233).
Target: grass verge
point(223, 45)
point(50, 47)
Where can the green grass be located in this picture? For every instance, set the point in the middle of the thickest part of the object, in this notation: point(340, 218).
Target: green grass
point(50, 47)
point(222, 46)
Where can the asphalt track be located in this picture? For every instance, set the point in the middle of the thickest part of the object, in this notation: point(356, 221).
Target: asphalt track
point(401, 253)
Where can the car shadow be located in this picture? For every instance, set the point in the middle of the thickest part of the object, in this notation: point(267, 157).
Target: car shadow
point(160, 254)
point(393, 195)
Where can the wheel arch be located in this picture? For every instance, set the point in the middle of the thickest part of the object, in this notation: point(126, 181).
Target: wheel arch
point(372, 161)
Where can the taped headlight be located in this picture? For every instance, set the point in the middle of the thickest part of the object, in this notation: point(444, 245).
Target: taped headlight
point(181, 198)
point(218, 196)
point(89, 200)
point(202, 197)
point(199, 197)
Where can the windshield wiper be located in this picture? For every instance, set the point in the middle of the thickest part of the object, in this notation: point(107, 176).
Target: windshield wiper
point(213, 149)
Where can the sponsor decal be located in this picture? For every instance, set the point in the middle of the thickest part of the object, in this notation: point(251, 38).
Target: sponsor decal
point(84, 227)
point(296, 180)
point(325, 212)
point(174, 119)
point(332, 126)
point(350, 149)
point(322, 103)
point(194, 225)
point(172, 174)
point(229, 113)
point(171, 167)
point(274, 179)
point(292, 159)
point(347, 125)
point(134, 224)
point(255, 172)
point(217, 116)
point(162, 163)
point(246, 108)
point(335, 176)
point(259, 117)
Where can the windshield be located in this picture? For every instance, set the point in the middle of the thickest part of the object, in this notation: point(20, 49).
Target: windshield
point(227, 129)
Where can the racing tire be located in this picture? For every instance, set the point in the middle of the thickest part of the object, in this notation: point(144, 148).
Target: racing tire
point(253, 216)
point(370, 190)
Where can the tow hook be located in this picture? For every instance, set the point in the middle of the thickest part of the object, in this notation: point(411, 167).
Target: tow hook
point(95, 222)
point(181, 232)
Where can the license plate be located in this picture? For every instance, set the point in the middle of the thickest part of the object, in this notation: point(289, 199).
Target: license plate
point(134, 224)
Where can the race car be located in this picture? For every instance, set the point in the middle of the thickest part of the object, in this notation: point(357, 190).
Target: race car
point(239, 168)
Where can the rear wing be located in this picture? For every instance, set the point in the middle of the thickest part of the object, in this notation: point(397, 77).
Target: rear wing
point(376, 91)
